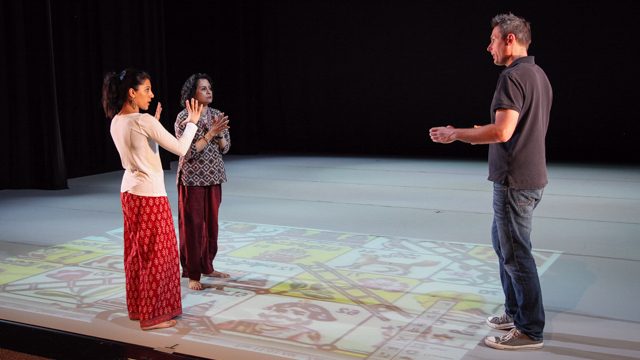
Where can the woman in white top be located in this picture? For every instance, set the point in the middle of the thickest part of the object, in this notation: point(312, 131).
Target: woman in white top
point(150, 247)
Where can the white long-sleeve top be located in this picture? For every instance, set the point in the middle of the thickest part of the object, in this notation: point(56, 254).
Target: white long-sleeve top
point(137, 137)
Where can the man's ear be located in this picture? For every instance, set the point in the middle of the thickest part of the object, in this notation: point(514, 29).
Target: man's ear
point(511, 39)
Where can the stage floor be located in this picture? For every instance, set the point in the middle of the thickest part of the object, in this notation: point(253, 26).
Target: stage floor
point(340, 258)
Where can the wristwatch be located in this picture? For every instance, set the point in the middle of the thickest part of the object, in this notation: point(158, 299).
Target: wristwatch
point(218, 137)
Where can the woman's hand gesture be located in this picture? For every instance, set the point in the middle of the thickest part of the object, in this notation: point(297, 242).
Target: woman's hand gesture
point(219, 124)
point(194, 111)
point(158, 111)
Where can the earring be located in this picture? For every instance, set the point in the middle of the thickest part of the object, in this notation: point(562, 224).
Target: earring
point(133, 104)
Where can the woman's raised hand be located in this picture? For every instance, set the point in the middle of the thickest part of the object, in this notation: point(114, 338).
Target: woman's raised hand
point(158, 111)
point(219, 124)
point(194, 111)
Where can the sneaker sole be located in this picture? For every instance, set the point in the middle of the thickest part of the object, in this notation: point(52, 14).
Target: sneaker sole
point(509, 347)
point(500, 326)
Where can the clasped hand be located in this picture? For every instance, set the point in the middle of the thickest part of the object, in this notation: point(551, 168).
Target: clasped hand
point(219, 124)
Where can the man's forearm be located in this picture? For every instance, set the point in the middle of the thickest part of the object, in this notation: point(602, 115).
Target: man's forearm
point(487, 134)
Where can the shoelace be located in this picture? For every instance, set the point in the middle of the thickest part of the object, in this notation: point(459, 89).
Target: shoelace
point(504, 318)
point(510, 335)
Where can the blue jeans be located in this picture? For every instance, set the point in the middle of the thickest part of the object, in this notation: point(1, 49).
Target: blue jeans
point(510, 234)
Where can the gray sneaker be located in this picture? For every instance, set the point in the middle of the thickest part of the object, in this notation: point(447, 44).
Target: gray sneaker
point(513, 340)
point(502, 322)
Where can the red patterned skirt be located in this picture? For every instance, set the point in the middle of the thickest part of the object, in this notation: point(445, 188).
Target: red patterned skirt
point(151, 260)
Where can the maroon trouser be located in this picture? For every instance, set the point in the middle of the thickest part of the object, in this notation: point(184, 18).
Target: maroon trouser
point(198, 224)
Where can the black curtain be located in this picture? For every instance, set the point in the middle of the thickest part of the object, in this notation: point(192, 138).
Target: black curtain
point(372, 77)
point(58, 51)
point(90, 39)
point(319, 76)
point(225, 42)
point(32, 155)
point(55, 54)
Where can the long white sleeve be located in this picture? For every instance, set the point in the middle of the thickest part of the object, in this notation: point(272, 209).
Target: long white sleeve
point(152, 128)
point(137, 137)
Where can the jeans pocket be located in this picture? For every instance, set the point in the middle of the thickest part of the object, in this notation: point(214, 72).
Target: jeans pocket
point(527, 200)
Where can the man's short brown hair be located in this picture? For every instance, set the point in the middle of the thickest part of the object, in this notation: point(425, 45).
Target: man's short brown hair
point(511, 24)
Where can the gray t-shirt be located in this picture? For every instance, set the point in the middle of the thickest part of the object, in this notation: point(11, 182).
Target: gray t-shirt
point(520, 162)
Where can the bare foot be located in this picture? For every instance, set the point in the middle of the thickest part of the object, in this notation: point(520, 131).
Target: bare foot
point(162, 325)
point(217, 274)
point(195, 285)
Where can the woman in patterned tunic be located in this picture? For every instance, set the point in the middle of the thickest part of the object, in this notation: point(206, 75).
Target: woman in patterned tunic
point(200, 175)
point(150, 251)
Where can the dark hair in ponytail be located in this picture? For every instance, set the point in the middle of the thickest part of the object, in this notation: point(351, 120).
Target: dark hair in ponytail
point(115, 89)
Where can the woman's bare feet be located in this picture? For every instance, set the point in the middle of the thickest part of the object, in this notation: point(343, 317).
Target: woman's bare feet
point(195, 285)
point(162, 325)
point(217, 274)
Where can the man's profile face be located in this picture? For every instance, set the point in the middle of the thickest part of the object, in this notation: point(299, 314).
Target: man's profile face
point(498, 47)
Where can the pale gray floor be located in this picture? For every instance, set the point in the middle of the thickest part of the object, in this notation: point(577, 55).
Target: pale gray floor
point(591, 214)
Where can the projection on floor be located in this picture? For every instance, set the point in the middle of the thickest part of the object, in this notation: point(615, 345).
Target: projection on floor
point(295, 293)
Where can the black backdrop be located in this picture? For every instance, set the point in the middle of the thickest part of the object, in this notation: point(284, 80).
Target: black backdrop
point(342, 77)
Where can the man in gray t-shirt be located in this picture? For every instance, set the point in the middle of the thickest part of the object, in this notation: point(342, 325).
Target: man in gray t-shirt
point(517, 166)
point(520, 162)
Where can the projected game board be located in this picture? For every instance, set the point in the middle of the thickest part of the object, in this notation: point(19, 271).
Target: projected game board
point(294, 293)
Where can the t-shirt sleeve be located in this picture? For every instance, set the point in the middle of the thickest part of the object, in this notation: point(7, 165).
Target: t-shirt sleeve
point(509, 94)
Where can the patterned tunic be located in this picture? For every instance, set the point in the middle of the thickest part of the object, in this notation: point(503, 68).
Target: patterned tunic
point(203, 168)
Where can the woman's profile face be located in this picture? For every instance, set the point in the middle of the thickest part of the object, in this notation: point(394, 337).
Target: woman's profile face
point(143, 95)
point(204, 94)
